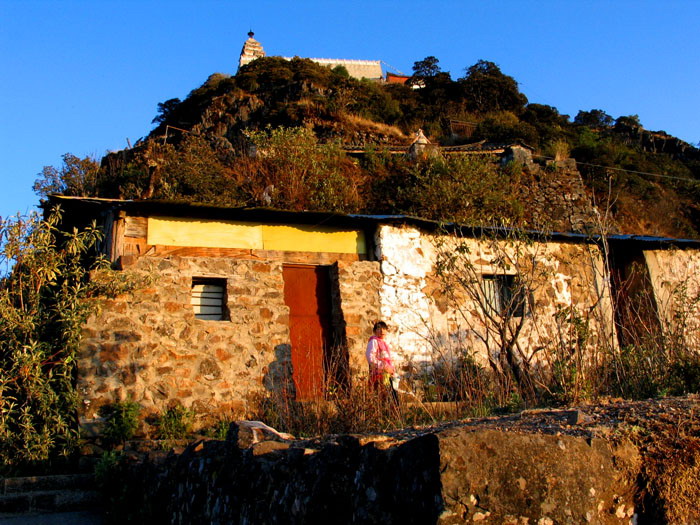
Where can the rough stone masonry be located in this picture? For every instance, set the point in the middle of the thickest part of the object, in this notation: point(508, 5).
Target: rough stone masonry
point(593, 464)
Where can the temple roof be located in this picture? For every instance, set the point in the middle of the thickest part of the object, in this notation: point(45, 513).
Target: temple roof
point(252, 49)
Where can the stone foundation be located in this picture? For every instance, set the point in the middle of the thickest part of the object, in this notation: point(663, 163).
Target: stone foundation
point(449, 477)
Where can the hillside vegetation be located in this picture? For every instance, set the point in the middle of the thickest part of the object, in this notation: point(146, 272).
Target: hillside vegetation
point(279, 133)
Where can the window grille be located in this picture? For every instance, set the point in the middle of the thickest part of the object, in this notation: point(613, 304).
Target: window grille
point(505, 295)
point(209, 299)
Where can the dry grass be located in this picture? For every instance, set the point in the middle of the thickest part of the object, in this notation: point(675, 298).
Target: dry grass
point(678, 482)
point(361, 123)
point(360, 411)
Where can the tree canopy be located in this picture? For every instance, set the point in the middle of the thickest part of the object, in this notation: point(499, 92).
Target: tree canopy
point(428, 67)
point(595, 118)
point(486, 89)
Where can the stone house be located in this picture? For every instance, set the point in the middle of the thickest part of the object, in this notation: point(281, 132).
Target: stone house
point(236, 303)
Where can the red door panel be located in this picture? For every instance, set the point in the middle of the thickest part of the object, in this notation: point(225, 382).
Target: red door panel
point(307, 294)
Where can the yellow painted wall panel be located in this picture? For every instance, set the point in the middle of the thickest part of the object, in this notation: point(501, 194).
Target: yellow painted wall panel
point(205, 233)
point(302, 238)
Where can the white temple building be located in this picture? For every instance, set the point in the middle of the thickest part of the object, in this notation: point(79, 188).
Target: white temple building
point(369, 69)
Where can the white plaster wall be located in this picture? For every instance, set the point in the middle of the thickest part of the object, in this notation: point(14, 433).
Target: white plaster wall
point(565, 275)
point(675, 278)
point(405, 266)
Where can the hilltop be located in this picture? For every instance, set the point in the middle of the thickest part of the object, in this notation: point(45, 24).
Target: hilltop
point(294, 134)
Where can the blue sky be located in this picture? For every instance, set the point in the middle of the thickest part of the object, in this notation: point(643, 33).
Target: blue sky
point(83, 76)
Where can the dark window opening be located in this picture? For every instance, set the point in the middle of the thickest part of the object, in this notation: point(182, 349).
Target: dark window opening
point(209, 299)
point(505, 295)
point(637, 319)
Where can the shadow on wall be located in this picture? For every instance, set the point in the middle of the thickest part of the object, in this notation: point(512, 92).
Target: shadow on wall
point(278, 378)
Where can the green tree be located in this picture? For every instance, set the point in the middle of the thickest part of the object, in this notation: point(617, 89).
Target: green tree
point(165, 110)
point(44, 301)
point(428, 67)
point(595, 118)
point(504, 126)
point(194, 171)
point(464, 189)
point(341, 71)
point(487, 89)
point(550, 125)
point(628, 122)
point(76, 177)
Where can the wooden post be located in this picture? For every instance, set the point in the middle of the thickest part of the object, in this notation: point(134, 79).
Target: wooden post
point(118, 236)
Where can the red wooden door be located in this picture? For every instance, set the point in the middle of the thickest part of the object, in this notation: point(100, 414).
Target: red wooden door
point(307, 293)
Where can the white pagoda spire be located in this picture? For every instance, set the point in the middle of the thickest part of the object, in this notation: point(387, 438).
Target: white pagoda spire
point(252, 49)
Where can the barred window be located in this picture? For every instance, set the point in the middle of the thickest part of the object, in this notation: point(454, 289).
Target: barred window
point(505, 295)
point(209, 299)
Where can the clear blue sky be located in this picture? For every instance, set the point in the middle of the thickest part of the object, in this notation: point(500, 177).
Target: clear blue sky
point(83, 76)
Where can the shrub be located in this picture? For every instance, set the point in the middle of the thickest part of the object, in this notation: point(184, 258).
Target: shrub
point(175, 423)
point(219, 430)
point(122, 421)
point(464, 189)
point(298, 173)
point(106, 466)
point(45, 297)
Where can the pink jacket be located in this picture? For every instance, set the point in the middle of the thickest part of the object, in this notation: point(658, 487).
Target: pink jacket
point(378, 357)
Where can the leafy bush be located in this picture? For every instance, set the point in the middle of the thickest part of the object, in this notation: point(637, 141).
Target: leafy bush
point(505, 127)
point(219, 430)
point(299, 173)
point(77, 177)
point(43, 304)
point(106, 466)
point(175, 423)
point(45, 297)
point(464, 189)
point(122, 420)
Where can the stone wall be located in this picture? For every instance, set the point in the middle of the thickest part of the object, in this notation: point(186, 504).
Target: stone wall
point(445, 477)
point(556, 198)
point(406, 261)
point(566, 282)
point(675, 278)
point(148, 347)
point(359, 284)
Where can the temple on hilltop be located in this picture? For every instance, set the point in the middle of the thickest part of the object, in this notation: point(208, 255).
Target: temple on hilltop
point(369, 69)
point(252, 49)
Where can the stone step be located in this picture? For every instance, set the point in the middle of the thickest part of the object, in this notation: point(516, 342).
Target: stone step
point(46, 483)
point(48, 501)
point(77, 517)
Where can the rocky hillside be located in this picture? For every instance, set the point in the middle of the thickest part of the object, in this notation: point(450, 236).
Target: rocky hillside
point(296, 135)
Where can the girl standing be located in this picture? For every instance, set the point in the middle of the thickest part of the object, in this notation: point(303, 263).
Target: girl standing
point(381, 368)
